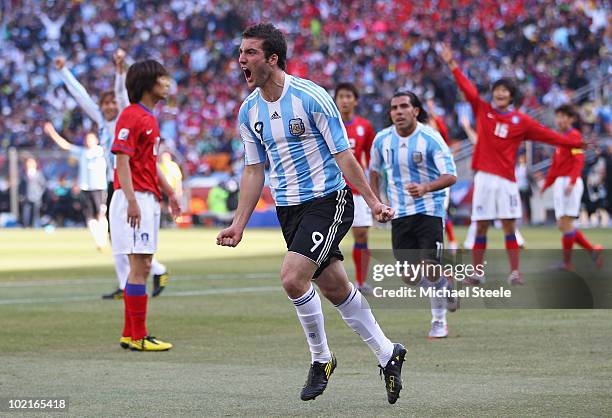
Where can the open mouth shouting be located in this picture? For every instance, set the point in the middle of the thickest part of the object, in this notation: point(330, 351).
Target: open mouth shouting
point(248, 75)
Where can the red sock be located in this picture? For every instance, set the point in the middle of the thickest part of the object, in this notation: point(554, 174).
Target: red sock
point(582, 241)
point(361, 258)
point(513, 251)
point(137, 306)
point(478, 250)
point(127, 324)
point(450, 230)
point(567, 242)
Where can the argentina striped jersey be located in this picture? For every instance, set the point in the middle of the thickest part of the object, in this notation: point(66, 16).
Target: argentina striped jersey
point(419, 158)
point(299, 134)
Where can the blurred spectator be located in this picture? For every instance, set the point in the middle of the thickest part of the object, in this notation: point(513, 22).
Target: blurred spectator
point(31, 191)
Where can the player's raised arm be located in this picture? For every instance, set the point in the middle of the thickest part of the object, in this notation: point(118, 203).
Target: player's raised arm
point(251, 184)
point(538, 132)
point(469, 131)
point(469, 90)
point(121, 92)
point(57, 138)
point(77, 91)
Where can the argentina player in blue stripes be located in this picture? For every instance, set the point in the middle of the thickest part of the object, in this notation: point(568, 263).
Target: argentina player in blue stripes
point(419, 168)
point(294, 123)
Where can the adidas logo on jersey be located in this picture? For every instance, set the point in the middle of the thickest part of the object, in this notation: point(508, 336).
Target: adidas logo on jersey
point(275, 115)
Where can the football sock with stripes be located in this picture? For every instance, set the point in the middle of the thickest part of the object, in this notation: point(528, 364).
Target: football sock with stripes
point(310, 314)
point(357, 314)
point(512, 248)
point(478, 250)
point(127, 323)
point(582, 241)
point(567, 242)
point(438, 304)
point(136, 305)
point(361, 258)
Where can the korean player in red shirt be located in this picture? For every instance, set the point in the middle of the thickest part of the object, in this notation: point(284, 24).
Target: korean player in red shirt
point(500, 129)
point(361, 135)
point(135, 209)
point(565, 177)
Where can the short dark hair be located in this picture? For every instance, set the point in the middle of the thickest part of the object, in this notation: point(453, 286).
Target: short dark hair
point(422, 117)
point(273, 41)
point(348, 87)
point(141, 77)
point(567, 109)
point(509, 85)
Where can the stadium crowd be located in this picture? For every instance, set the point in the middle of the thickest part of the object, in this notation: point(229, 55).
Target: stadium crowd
point(552, 48)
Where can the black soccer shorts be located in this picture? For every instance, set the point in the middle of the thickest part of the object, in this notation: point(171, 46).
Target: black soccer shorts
point(315, 228)
point(417, 237)
point(91, 203)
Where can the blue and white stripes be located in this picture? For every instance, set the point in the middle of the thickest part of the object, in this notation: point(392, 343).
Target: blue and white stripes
point(420, 158)
point(306, 298)
point(349, 298)
point(298, 134)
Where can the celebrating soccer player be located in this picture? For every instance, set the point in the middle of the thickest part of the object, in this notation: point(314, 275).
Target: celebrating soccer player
point(92, 181)
point(565, 177)
point(419, 168)
point(360, 134)
point(295, 124)
point(134, 208)
point(500, 130)
point(112, 102)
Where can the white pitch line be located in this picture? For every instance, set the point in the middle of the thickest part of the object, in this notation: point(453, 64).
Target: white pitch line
point(221, 291)
point(68, 282)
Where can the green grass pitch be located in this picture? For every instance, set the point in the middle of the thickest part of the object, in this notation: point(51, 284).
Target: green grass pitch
point(240, 351)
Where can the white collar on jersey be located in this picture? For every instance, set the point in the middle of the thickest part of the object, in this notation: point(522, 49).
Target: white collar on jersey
point(418, 128)
point(285, 88)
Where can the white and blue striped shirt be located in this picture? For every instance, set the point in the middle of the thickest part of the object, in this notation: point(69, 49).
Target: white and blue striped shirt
point(92, 167)
point(298, 133)
point(419, 158)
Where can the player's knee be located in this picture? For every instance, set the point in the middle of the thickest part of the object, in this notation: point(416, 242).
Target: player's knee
point(361, 236)
point(481, 228)
point(292, 282)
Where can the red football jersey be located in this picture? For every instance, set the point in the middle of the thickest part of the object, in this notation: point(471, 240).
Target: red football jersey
point(137, 135)
point(500, 134)
point(566, 162)
point(361, 135)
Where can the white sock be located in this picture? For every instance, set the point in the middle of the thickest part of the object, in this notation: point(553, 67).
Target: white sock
point(310, 314)
point(92, 224)
point(438, 304)
point(357, 314)
point(103, 231)
point(157, 268)
point(520, 240)
point(471, 237)
point(122, 268)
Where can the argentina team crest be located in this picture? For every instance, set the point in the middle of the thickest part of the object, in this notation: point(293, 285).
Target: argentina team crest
point(296, 127)
point(417, 157)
